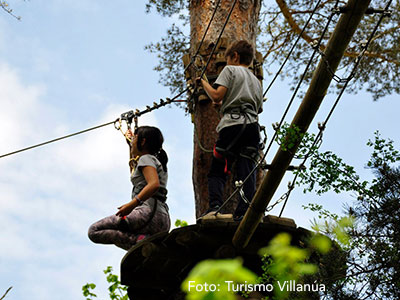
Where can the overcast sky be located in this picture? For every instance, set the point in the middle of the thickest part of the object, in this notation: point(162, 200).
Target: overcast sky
point(70, 65)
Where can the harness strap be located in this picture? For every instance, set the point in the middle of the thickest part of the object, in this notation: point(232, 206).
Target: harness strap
point(250, 153)
point(219, 156)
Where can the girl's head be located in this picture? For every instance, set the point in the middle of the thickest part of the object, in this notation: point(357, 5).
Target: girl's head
point(149, 140)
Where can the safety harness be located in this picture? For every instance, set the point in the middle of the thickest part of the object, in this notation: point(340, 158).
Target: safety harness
point(247, 152)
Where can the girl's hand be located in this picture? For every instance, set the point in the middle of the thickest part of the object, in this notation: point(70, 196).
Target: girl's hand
point(125, 209)
point(129, 136)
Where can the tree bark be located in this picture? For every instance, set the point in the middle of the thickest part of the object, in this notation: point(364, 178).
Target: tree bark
point(242, 25)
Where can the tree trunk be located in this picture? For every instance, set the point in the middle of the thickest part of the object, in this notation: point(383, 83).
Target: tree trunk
point(242, 25)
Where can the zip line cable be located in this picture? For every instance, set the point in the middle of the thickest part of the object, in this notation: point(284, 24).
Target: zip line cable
point(292, 49)
point(286, 111)
point(318, 139)
point(137, 113)
point(134, 114)
point(57, 139)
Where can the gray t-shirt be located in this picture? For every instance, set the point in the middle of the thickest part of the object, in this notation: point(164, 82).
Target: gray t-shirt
point(244, 89)
point(139, 181)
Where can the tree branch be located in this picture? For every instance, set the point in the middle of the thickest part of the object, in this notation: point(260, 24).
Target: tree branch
point(295, 27)
point(6, 293)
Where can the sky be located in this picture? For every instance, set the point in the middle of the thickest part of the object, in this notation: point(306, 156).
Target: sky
point(71, 65)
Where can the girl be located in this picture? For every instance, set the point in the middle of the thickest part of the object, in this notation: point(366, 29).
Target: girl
point(147, 212)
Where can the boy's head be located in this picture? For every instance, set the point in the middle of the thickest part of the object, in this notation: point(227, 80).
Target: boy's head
point(243, 49)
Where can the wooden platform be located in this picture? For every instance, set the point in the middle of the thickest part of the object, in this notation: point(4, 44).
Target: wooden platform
point(155, 267)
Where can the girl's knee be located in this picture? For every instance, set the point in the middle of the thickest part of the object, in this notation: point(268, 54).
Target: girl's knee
point(92, 233)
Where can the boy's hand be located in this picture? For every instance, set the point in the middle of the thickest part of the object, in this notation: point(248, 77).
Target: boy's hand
point(198, 82)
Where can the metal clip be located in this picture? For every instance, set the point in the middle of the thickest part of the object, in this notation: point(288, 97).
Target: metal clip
point(127, 116)
point(239, 185)
point(314, 44)
point(364, 43)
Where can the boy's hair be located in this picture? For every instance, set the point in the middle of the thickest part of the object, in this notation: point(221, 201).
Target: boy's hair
point(244, 49)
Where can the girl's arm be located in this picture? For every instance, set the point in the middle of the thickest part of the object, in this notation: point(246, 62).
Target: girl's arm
point(132, 161)
point(152, 186)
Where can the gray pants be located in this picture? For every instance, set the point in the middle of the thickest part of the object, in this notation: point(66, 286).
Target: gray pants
point(114, 230)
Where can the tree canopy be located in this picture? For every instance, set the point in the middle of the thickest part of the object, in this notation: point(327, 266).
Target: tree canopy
point(373, 253)
point(279, 24)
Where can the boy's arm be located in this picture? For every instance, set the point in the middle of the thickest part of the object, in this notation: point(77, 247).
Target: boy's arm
point(216, 95)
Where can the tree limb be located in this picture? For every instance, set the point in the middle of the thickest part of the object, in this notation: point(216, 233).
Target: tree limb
point(295, 27)
point(6, 293)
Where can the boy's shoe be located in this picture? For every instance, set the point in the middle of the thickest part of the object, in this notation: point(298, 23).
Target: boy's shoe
point(211, 214)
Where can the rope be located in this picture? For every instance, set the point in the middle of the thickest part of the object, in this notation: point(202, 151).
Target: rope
point(135, 114)
point(291, 50)
point(316, 47)
point(202, 39)
point(57, 139)
point(318, 139)
point(198, 140)
point(219, 37)
point(204, 70)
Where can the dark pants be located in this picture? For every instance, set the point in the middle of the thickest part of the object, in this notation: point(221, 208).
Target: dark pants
point(250, 137)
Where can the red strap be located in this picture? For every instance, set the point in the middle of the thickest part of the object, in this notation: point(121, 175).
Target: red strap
point(226, 171)
point(221, 157)
point(217, 155)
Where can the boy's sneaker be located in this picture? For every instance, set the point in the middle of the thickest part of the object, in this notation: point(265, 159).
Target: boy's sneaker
point(211, 214)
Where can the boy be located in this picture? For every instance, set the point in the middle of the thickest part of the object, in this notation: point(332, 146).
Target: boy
point(239, 93)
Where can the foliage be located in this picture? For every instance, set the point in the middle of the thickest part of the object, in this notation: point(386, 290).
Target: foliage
point(171, 48)
point(180, 223)
point(288, 136)
point(374, 244)
point(215, 273)
point(167, 8)
point(287, 263)
point(282, 263)
point(279, 25)
point(86, 290)
point(116, 290)
point(169, 52)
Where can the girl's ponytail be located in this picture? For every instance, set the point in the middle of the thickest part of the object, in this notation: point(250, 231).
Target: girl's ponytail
point(153, 143)
point(163, 158)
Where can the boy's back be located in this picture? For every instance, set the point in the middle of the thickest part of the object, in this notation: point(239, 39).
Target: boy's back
point(243, 90)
